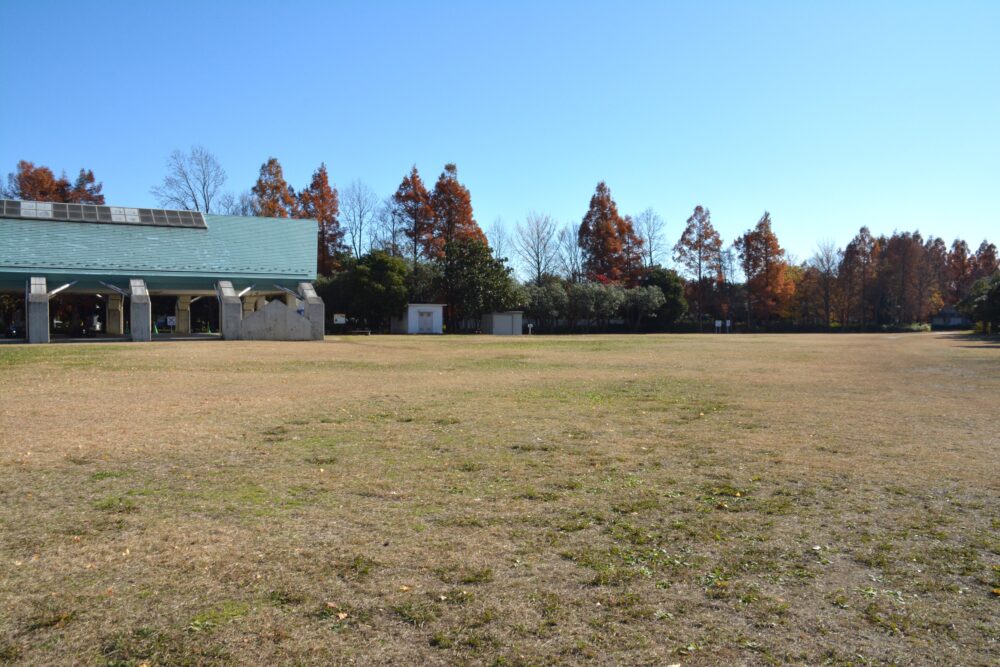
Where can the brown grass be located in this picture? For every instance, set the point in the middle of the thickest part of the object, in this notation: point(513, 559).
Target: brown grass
point(609, 499)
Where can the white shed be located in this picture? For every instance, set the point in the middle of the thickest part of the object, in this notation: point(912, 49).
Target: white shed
point(419, 318)
point(502, 324)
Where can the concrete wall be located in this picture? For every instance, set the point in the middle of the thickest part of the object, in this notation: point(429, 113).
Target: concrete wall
point(276, 322)
point(230, 310)
point(140, 311)
point(36, 302)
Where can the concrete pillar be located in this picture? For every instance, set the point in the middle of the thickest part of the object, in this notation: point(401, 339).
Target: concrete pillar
point(183, 315)
point(248, 304)
point(115, 325)
point(261, 302)
point(289, 300)
point(36, 302)
point(230, 311)
point(140, 311)
point(315, 310)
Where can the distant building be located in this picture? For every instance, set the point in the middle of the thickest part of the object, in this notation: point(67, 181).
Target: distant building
point(949, 318)
point(508, 323)
point(116, 255)
point(419, 318)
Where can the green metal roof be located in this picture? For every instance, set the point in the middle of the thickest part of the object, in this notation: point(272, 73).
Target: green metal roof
point(243, 250)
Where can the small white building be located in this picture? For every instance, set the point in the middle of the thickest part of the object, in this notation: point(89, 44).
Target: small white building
point(502, 324)
point(419, 318)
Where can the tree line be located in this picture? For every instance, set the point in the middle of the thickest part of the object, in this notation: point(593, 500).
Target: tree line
point(423, 244)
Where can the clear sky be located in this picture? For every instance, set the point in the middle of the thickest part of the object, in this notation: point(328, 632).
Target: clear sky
point(831, 115)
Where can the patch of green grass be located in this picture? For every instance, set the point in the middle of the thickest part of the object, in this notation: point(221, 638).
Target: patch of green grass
point(117, 505)
point(108, 474)
point(210, 619)
point(416, 613)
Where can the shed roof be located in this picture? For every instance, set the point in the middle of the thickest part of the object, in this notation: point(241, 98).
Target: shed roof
point(240, 249)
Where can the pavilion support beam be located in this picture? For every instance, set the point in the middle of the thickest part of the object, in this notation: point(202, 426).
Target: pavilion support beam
point(314, 310)
point(261, 302)
point(183, 315)
point(140, 311)
point(36, 302)
point(249, 302)
point(115, 324)
point(230, 311)
point(290, 300)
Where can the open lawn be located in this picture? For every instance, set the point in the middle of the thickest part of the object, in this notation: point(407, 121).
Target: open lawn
point(698, 500)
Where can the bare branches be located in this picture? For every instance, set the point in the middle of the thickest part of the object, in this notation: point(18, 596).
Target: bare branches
point(193, 182)
point(537, 246)
point(649, 226)
point(499, 239)
point(570, 257)
point(359, 207)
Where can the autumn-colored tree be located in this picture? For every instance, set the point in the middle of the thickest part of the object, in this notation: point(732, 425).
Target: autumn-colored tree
point(961, 270)
point(612, 252)
point(856, 274)
point(986, 260)
point(453, 220)
point(275, 198)
point(320, 202)
point(412, 207)
point(32, 183)
point(699, 250)
point(768, 286)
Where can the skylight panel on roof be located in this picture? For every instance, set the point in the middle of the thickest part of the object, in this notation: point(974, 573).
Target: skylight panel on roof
point(120, 215)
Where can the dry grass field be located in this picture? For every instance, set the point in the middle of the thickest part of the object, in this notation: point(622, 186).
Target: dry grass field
point(822, 500)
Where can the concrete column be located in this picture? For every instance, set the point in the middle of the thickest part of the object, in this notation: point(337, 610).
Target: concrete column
point(315, 310)
point(261, 302)
point(230, 311)
point(183, 315)
point(289, 300)
point(115, 325)
point(140, 311)
point(36, 302)
point(248, 304)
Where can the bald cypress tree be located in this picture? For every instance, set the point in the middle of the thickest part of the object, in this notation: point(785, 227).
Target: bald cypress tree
point(611, 249)
point(453, 220)
point(275, 198)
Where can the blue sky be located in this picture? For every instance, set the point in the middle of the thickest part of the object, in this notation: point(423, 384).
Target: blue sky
point(829, 115)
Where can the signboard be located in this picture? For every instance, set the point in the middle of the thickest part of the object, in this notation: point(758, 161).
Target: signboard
point(339, 318)
point(171, 321)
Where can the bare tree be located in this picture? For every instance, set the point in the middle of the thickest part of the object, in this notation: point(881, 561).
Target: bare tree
point(389, 234)
point(826, 260)
point(244, 204)
point(358, 206)
point(499, 239)
point(649, 226)
point(570, 256)
point(193, 182)
point(537, 245)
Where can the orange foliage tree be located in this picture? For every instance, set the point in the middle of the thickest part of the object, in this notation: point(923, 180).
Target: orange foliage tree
point(320, 202)
point(412, 205)
point(275, 198)
point(612, 252)
point(32, 183)
point(453, 220)
point(769, 287)
point(699, 250)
